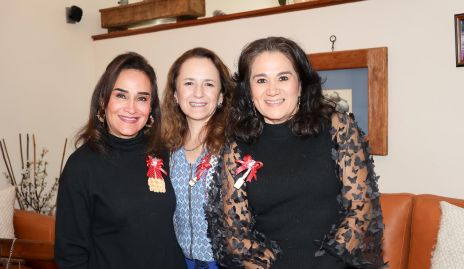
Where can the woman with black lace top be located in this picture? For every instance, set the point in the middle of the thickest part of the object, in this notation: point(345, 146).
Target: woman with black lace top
point(298, 189)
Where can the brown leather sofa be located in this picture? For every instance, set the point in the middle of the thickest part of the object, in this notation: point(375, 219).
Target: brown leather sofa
point(35, 243)
point(411, 227)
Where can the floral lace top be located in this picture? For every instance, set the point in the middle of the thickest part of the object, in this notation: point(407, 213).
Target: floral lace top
point(356, 239)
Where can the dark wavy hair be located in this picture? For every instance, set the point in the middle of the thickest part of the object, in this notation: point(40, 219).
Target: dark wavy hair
point(174, 126)
point(93, 133)
point(246, 123)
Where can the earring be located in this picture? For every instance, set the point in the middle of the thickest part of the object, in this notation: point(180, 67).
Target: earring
point(219, 105)
point(299, 100)
point(150, 122)
point(100, 112)
point(101, 117)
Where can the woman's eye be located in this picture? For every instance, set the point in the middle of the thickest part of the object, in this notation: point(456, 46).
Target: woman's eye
point(283, 78)
point(209, 84)
point(188, 83)
point(261, 80)
point(120, 95)
point(143, 98)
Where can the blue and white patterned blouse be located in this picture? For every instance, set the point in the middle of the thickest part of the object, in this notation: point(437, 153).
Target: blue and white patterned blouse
point(189, 218)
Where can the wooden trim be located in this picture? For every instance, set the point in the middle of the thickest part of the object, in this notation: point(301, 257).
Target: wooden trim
point(376, 62)
point(228, 17)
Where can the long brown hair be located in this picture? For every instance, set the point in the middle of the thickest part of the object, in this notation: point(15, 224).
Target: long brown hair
point(93, 133)
point(174, 122)
point(245, 124)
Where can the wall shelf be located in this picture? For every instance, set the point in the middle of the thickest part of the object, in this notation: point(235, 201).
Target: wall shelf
point(228, 17)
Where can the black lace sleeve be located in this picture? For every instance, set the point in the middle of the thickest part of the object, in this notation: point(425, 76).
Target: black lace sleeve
point(236, 244)
point(358, 238)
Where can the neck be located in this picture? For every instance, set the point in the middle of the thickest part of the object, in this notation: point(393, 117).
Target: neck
point(195, 135)
point(193, 144)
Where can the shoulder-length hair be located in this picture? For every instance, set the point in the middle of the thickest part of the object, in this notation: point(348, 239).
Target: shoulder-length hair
point(246, 124)
point(93, 133)
point(174, 121)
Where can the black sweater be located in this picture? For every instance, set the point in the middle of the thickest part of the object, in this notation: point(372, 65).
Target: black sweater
point(294, 198)
point(106, 215)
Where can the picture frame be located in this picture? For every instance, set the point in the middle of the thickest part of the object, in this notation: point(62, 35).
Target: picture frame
point(376, 62)
point(459, 30)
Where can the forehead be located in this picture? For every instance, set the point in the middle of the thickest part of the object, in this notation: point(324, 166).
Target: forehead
point(132, 75)
point(133, 79)
point(271, 61)
point(199, 68)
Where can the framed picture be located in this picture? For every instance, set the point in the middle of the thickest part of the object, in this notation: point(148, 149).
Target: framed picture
point(459, 28)
point(337, 84)
point(373, 62)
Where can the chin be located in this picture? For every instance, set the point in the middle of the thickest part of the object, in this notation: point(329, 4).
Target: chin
point(130, 133)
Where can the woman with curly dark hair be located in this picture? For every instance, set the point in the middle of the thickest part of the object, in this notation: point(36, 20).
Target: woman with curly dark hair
point(195, 108)
point(115, 200)
point(299, 181)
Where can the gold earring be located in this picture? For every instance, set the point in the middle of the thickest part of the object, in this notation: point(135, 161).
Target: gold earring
point(101, 117)
point(150, 122)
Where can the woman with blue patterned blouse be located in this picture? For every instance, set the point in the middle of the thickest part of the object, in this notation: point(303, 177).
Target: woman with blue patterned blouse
point(194, 112)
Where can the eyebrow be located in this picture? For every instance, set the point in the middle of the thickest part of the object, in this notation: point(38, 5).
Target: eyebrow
point(278, 74)
point(125, 91)
point(208, 79)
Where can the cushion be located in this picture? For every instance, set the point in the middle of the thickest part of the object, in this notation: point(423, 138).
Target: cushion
point(449, 250)
point(426, 216)
point(7, 199)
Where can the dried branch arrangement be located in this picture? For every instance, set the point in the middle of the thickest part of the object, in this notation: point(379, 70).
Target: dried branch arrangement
point(32, 191)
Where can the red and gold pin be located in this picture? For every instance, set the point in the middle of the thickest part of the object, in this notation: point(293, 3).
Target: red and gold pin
point(155, 174)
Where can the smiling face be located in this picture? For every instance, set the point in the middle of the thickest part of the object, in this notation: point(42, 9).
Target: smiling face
point(198, 90)
point(275, 87)
point(128, 108)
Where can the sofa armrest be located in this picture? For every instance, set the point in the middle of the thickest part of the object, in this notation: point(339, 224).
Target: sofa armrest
point(27, 249)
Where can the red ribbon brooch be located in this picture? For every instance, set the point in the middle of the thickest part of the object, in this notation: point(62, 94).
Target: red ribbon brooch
point(155, 174)
point(204, 165)
point(250, 166)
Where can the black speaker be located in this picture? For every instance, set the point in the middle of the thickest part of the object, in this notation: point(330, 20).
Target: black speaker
point(73, 14)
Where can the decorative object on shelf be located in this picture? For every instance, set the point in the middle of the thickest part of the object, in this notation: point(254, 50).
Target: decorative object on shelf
point(32, 190)
point(123, 2)
point(218, 19)
point(218, 12)
point(125, 16)
point(459, 29)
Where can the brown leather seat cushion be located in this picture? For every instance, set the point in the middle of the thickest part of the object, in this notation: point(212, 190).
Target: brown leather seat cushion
point(397, 210)
point(425, 221)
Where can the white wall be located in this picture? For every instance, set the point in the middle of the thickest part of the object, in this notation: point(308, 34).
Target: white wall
point(46, 74)
point(425, 125)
